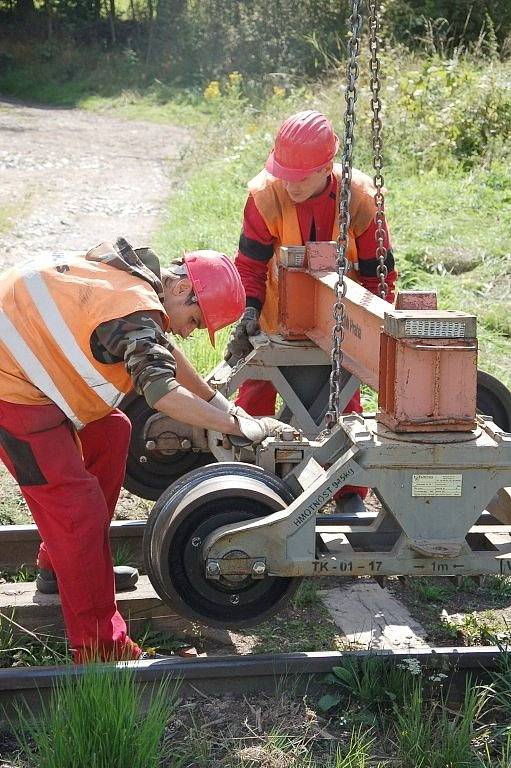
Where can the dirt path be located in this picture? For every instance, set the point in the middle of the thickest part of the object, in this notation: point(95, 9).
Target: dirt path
point(71, 178)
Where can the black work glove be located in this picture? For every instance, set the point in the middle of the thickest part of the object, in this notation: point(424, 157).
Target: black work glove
point(239, 344)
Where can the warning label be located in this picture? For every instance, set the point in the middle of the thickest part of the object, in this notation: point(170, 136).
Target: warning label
point(436, 485)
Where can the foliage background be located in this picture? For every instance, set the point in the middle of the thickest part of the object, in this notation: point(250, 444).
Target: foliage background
point(192, 40)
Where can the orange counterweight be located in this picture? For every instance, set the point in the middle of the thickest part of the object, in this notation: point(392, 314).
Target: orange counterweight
point(422, 362)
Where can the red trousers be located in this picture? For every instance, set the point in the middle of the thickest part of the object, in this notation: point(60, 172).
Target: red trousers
point(258, 398)
point(71, 488)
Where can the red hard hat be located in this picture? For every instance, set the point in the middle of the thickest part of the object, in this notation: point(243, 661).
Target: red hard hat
point(218, 288)
point(305, 143)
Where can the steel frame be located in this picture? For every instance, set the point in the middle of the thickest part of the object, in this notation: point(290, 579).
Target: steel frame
point(462, 474)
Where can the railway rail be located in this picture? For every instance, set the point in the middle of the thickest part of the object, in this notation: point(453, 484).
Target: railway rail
point(244, 674)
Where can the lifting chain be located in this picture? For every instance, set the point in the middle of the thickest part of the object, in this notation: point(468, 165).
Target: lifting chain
point(377, 141)
point(355, 22)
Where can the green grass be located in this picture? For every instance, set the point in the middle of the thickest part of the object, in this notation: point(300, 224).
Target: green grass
point(97, 720)
point(20, 647)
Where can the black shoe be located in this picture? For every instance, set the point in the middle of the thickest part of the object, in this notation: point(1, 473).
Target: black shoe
point(125, 578)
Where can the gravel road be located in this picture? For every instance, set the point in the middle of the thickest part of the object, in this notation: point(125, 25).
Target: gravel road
point(71, 178)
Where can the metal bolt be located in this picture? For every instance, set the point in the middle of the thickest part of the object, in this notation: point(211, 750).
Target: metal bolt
point(150, 445)
point(234, 599)
point(196, 542)
point(213, 568)
point(259, 568)
point(186, 444)
point(143, 460)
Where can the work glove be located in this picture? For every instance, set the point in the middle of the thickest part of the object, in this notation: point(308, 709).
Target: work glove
point(239, 344)
point(254, 430)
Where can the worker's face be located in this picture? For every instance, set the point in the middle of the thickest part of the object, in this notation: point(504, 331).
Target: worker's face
point(310, 186)
point(184, 316)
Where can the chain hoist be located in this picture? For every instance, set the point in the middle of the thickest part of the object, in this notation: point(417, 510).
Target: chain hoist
point(377, 142)
point(350, 96)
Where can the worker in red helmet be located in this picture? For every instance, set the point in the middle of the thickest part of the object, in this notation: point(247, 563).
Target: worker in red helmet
point(76, 335)
point(293, 200)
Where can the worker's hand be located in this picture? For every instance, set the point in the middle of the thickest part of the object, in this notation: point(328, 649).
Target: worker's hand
point(239, 344)
point(254, 431)
point(227, 406)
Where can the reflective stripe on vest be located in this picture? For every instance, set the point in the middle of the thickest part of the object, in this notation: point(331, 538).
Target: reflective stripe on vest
point(52, 318)
point(37, 374)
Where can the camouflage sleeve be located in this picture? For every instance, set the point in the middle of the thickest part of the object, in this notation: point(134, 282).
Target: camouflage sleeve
point(139, 341)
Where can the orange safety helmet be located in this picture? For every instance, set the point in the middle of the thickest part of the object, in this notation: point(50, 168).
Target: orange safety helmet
point(305, 143)
point(217, 285)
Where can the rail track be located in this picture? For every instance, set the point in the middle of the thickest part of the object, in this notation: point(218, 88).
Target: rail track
point(297, 672)
point(212, 675)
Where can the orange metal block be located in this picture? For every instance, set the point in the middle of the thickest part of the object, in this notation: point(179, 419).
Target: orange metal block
point(306, 311)
point(422, 362)
point(427, 385)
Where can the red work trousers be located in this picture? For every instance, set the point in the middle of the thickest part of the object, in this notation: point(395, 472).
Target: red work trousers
point(71, 488)
point(258, 398)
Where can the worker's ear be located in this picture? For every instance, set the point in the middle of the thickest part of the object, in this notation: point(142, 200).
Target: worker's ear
point(329, 168)
point(183, 285)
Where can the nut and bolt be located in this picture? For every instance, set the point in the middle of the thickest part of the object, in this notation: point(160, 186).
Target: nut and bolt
point(213, 568)
point(150, 445)
point(196, 542)
point(234, 599)
point(259, 568)
point(142, 460)
point(186, 444)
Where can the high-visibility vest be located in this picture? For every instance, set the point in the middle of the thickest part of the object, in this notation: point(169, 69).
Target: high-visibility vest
point(280, 216)
point(48, 312)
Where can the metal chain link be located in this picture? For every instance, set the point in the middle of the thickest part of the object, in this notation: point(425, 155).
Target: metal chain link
point(377, 141)
point(355, 23)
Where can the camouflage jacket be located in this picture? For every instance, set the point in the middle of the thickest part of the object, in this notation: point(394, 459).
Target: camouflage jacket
point(137, 339)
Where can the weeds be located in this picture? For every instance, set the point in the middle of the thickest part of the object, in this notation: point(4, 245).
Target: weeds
point(501, 683)
point(19, 647)
point(372, 682)
point(97, 720)
point(429, 735)
point(359, 751)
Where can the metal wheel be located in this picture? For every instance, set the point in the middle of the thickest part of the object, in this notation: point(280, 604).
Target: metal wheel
point(180, 521)
point(150, 472)
point(494, 399)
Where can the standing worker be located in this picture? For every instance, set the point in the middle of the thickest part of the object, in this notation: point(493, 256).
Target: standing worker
point(293, 200)
point(77, 334)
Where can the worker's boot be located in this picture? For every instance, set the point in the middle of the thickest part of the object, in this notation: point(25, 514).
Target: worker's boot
point(125, 578)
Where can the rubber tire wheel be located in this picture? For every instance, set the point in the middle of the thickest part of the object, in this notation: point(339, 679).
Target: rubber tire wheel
point(494, 399)
point(151, 479)
point(184, 597)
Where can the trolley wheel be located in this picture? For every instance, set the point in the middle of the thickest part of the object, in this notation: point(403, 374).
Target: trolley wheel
point(150, 478)
point(181, 520)
point(494, 399)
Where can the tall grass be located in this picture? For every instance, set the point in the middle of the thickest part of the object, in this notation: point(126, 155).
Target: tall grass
point(97, 720)
point(430, 735)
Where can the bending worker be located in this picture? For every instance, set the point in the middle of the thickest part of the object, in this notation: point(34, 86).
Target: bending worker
point(76, 334)
point(293, 200)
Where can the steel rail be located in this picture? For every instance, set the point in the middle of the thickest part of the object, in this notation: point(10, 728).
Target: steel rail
point(297, 672)
point(19, 543)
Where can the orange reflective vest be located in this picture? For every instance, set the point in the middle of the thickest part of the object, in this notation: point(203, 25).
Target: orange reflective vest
point(48, 311)
point(279, 214)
